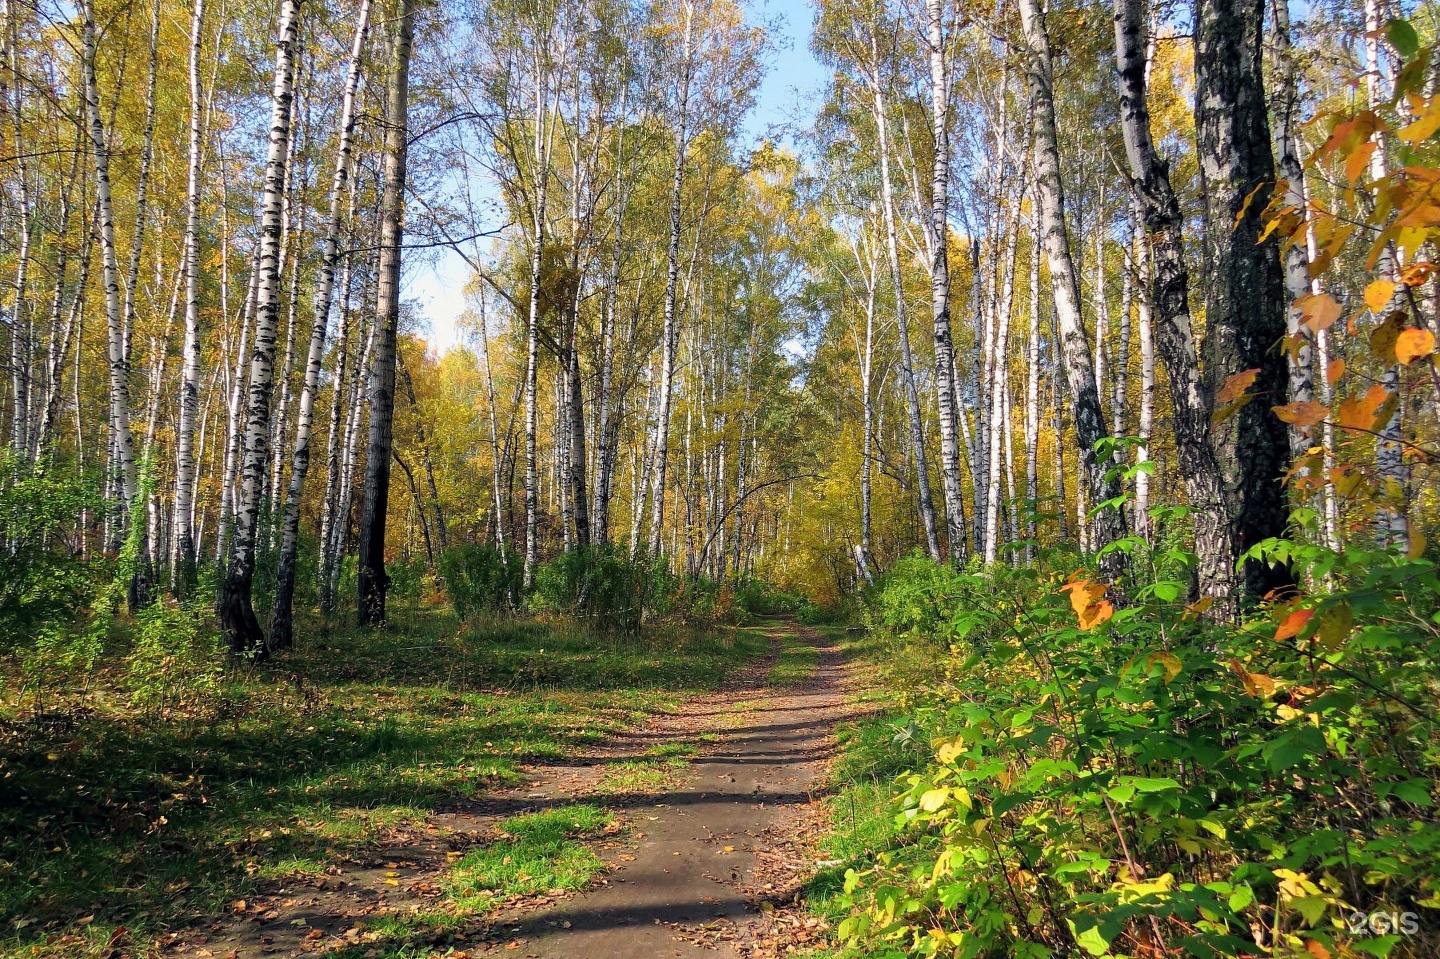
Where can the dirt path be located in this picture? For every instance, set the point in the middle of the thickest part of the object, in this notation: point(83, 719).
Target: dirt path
point(710, 864)
point(718, 851)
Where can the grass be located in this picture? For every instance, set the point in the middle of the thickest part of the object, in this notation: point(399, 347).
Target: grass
point(129, 815)
point(794, 665)
point(873, 750)
point(539, 852)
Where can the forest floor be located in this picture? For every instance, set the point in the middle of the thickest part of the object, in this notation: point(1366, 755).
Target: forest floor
point(647, 816)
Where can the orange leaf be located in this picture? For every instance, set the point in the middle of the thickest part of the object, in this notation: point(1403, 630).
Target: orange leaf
point(1303, 414)
point(1294, 623)
point(1236, 385)
point(1358, 160)
point(1256, 684)
point(1359, 413)
point(1414, 344)
point(1087, 599)
point(1318, 311)
point(1378, 295)
point(1333, 370)
point(1346, 479)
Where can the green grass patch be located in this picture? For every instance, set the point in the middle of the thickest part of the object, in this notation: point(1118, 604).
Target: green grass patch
point(539, 852)
point(140, 817)
point(795, 664)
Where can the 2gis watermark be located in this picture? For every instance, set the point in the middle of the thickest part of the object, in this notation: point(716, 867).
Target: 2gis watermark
point(1383, 923)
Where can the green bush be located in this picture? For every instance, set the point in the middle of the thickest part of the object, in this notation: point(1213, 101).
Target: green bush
point(1161, 783)
point(478, 579)
point(47, 589)
point(600, 583)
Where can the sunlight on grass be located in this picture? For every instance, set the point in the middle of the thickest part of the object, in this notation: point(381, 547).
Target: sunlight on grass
point(314, 759)
point(539, 852)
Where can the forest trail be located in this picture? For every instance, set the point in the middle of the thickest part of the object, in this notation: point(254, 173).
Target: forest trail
point(709, 863)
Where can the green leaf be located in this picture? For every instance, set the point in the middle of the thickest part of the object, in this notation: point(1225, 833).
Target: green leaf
point(1416, 792)
point(1241, 898)
point(1402, 36)
point(1092, 942)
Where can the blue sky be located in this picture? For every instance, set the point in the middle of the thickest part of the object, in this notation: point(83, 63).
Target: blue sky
point(786, 98)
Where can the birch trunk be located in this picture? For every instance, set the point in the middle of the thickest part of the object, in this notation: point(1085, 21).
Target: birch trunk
point(907, 359)
point(237, 614)
point(940, 284)
point(1158, 210)
point(1244, 289)
point(121, 440)
point(1109, 523)
point(182, 558)
point(373, 580)
point(282, 617)
point(670, 334)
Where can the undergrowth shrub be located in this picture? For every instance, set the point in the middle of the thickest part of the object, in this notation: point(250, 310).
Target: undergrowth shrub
point(601, 583)
point(1161, 784)
point(479, 579)
point(175, 659)
point(48, 590)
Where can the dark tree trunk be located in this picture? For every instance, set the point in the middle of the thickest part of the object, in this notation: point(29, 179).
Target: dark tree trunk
point(1244, 289)
point(1159, 212)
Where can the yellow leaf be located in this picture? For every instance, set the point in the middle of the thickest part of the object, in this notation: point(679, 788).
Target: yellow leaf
point(1198, 608)
point(933, 799)
point(947, 753)
point(1333, 371)
point(1424, 127)
point(1414, 344)
point(1318, 311)
point(1303, 414)
point(1294, 624)
point(1168, 661)
point(1417, 544)
point(1378, 295)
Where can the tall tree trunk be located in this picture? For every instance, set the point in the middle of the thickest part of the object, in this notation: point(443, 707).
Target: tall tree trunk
point(1158, 211)
point(1244, 292)
point(237, 614)
point(121, 439)
point(1144, 320)
point(907, 359)
point(1300, 341)
point(1392, 526)
point(940, 282)
point(374, 582)
point(1032, 402)
point(670, 334)
point(1109, 523)
point(282, 616)
point(182, 559)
